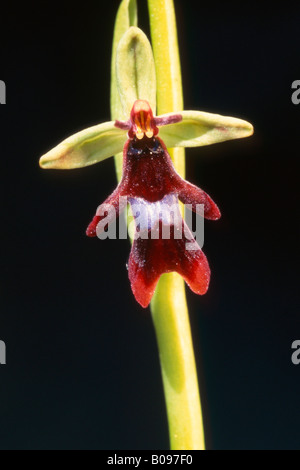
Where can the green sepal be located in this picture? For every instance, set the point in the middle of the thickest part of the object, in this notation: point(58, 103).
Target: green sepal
point(126, 17)
point(85, 148)
point(199, 128)
point(135, 70)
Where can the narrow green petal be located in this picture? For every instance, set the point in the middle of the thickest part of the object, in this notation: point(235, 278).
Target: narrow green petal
point(126, 17)
point(85, 148)
point(135, 70)
point(198, 128)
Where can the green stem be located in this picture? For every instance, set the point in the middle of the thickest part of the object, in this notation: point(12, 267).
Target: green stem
point(169, 307)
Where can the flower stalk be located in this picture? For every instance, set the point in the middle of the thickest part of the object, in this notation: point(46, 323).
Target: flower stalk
point(169, 307)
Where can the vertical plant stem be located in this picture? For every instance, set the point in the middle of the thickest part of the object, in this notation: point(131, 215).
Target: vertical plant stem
point(169, 307)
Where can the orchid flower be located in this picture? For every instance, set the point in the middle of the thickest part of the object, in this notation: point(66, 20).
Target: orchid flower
point(151, 183)
point(149, 178)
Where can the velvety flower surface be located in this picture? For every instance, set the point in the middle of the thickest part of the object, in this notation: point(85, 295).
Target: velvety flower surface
point(150, 182)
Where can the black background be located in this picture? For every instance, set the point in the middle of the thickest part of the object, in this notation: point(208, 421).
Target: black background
point(82, 365)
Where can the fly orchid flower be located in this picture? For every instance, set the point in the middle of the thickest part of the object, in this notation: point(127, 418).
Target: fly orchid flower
point(149, 179)
point(150, 182)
